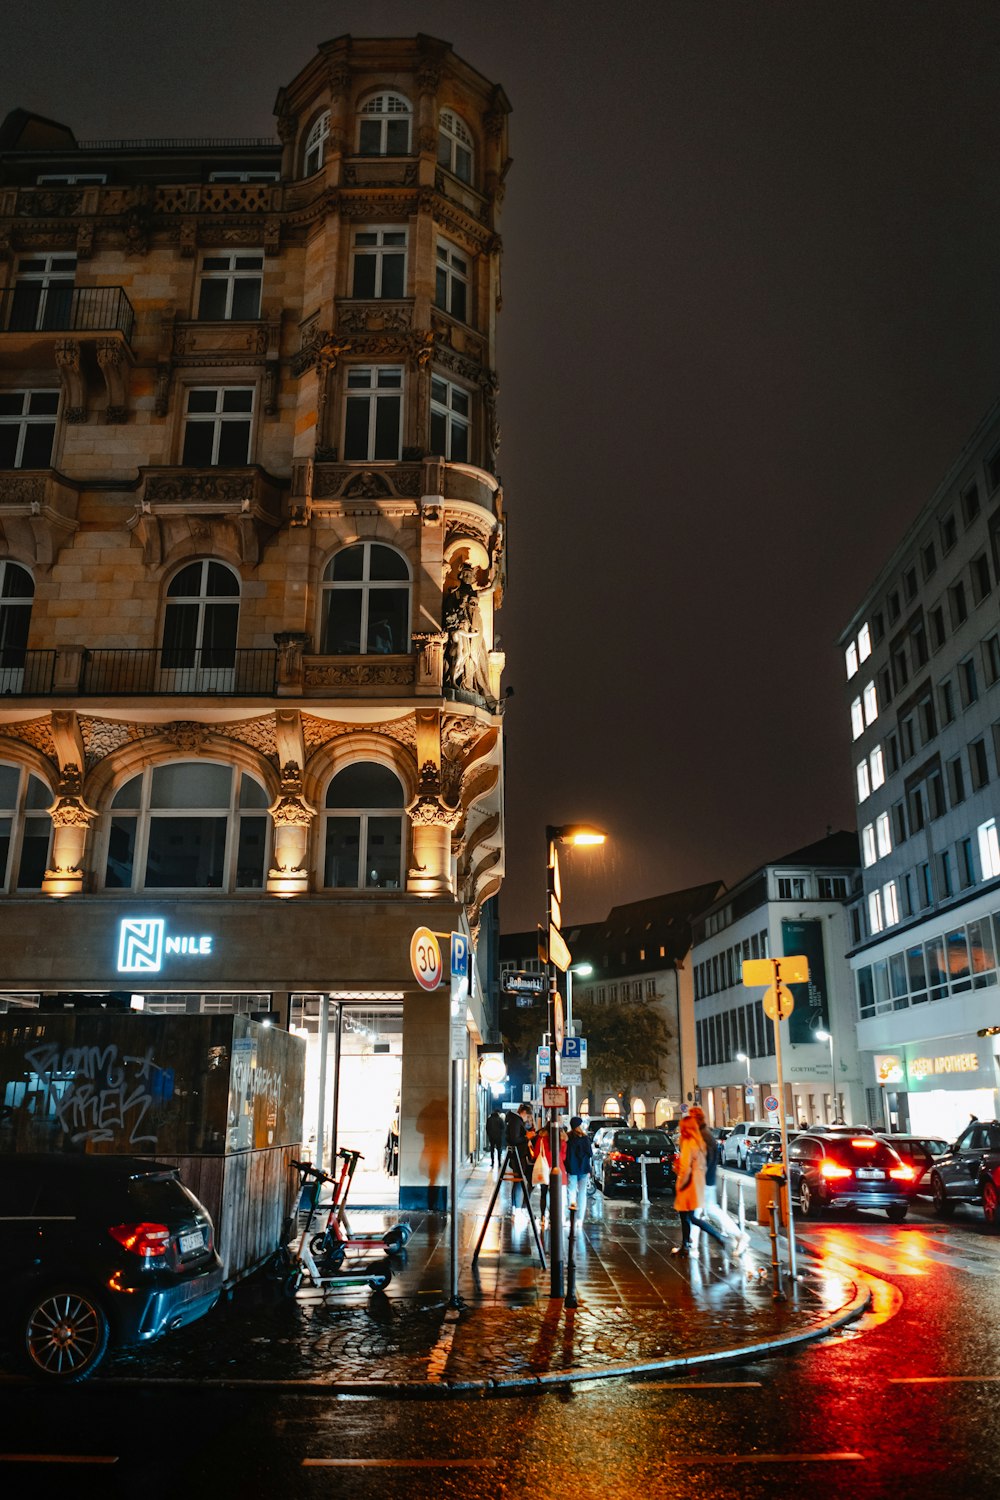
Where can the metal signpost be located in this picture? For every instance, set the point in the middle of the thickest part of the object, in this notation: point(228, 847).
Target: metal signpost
point(779, 1002)
point(459, 1047)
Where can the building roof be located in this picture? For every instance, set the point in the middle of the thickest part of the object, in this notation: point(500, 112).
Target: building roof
point(836, 849)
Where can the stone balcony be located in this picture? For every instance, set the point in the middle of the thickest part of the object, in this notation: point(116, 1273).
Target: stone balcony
point(38, 513)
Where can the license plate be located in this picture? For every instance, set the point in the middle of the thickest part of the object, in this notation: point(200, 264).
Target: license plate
point(193, 1241)
point(870, 1172)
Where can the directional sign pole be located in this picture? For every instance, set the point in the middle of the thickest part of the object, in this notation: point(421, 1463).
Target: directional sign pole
point(784, 1127)
point(553, 895)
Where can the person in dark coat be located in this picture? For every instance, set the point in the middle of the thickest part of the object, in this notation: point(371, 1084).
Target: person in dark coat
point(495, 1135)
point(521, 1145)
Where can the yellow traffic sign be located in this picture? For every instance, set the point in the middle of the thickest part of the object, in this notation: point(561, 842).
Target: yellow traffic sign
point(559, 954)
point(788, 970)
point(778, 1002)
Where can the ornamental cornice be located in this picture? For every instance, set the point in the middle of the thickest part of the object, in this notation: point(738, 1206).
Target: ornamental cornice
point(430, 809)
point(318, 732)
point(342, 674)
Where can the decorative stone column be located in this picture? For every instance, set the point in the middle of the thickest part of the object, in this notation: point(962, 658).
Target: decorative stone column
point(291, 644)
point(292, 818)
point(433, 820)
point(71, 821)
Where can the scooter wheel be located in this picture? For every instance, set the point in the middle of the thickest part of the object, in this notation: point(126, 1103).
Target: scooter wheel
point(293, 1282)
point(380, 1282)
point(320, 1245)
point(395, 1239)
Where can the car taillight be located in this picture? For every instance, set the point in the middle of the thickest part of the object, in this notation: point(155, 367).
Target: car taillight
point(865, 1143)
point(141, 1239)
point(620, 1156)
point(902, 1174)
point(995, 1174)
point(832, 1169)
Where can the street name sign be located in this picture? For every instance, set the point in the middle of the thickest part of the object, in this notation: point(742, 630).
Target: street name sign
point(793, 969)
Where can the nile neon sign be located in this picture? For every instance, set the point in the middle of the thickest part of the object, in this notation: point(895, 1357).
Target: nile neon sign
point(143, 943)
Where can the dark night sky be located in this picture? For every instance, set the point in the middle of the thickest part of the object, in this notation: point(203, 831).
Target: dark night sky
point(752, 304)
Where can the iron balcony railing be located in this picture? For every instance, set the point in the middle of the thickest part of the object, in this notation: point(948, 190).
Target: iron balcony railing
point(216, 672)
point(31, 305)
point(26, 673)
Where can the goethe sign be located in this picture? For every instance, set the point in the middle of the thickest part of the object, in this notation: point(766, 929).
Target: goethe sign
point(143, 943)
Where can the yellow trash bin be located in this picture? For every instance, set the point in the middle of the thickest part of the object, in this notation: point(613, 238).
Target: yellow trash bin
point(770, 1180)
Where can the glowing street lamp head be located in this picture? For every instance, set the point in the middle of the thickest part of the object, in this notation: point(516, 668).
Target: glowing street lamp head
point(576, 833)
point(741, 1057)
point(584, 971)
point(822, 1036)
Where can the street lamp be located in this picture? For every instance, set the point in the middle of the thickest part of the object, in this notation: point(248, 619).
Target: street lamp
point(558, 956)
point(743, 1058)
point(825, 1036)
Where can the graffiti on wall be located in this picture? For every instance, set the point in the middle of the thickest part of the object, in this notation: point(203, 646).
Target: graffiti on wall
point(99, 1093)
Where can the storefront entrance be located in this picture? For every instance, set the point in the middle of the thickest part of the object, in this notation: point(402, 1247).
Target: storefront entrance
point(354, 1067)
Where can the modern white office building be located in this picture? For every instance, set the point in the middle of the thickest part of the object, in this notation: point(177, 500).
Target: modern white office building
point(922, 667)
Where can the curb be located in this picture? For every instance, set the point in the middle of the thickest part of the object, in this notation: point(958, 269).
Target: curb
point(489, 1385)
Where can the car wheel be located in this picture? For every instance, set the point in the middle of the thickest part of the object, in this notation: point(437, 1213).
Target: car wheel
point(807, 1200)
point(991, 1202)
point(943, 1206)
point(65, 1334)
point(896, 1212)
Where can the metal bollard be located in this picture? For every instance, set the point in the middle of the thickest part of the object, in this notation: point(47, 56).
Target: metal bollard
point(645, 1186)
point(571, 1261)
point(778, 1293)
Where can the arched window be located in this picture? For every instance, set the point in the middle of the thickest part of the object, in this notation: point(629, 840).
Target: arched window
point(639, 1113)
point(188, 825)
point(25, 829)
point(366, 602)
point(315, 147)
point(384, 126)
point(611, 1106)
point(17, 591)
point(455, 145)
point(200, 622)
point(363, 833)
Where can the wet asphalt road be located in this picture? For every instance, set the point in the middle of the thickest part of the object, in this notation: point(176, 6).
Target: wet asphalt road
point(905, 1404)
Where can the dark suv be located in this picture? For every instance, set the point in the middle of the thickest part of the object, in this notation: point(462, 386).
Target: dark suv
point(970, 1172)
point(841, 1169)
point(96, 1249)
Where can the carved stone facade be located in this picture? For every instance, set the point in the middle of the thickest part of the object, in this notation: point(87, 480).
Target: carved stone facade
point(300, 482)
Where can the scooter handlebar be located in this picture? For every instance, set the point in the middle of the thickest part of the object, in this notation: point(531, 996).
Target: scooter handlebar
point(308, 1170)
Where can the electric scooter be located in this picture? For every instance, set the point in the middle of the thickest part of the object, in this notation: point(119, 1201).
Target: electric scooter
point(338, 1229)
point(315, 1263)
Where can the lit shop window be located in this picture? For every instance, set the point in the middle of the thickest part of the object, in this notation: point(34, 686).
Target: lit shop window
point(857, 719)
point(864, 783)
point(989, 849)
point(868, 844)
point(870, 699)
point(883, 836)
point(877, 765)
point(875, 920)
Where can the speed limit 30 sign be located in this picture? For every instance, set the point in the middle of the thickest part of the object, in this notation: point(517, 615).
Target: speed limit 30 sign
point(425, 959)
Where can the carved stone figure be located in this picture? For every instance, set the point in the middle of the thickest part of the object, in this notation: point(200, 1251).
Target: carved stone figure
point(466, 660)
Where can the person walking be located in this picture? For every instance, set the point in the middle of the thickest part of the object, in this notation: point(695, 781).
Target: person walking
point(713, 1209)
point(689, 1194)
point(579, 1155)
point(495, 1136)
point(542, 1169)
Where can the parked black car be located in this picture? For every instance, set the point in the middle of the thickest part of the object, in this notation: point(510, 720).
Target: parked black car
point(615, 1163)
point(837, 1169)
point(96, 1249)
point(919, 1152)
point(970, 1172)
point(761, 1149)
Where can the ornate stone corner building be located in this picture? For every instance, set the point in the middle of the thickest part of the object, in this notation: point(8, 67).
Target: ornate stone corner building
point(251, 554)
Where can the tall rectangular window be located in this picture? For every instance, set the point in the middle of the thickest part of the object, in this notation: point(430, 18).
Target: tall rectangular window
point(991, 658)
point(451, 282)
point(956, 781)
point(946, 696)
point(875, 921)
point(946, 873)
point(966, 867)
point(450, 406)
point(989, 849)
point(857, 719)
point(868, 854)
point(864, 782)
point(979, 768)
point(373, 412)
point(864, 642)
point(876, 764)
point(217, 425)
point(890, 903)
point(379, 263)
point(883, 836)
point(27, 428)
point(870, 698)
point(938, 632)
point(231, 286)
point(958, 607)
point(968, 682)
point(851, 658)
point(926, 885)
point(43, 292)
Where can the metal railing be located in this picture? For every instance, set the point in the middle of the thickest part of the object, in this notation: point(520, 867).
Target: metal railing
point(30, 305)
point(26, 673)
point(187, 143)
point(212, 672)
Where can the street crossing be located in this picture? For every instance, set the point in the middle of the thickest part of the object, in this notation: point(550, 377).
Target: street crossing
point(900, 1250)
